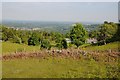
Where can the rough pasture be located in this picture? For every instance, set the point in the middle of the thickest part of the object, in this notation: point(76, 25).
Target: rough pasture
point(65, 63)
point(69, 53)
point(60, 65)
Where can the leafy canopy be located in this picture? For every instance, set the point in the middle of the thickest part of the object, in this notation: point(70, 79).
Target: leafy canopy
point(78, 34)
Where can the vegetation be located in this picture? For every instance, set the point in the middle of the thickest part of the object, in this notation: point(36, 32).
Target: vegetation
point(110, 46)
point(59, 68)
point(106, 33)
point(33, 40)
point(107, 30)
point(8, 47)
point(41, 54)
point(89, 66)
point(45, 44)
point(78, 35)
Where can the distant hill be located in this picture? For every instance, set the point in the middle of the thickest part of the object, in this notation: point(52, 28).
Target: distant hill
point(62, 27)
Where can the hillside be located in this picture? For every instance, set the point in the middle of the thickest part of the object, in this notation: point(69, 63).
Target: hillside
point(49, 26)
point(8, 47)
point(49, 64)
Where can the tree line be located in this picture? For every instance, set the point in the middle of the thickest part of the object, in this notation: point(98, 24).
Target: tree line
point(106, 33)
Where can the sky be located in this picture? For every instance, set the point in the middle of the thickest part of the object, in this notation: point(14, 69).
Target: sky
point(60, 0)
point(61, 11)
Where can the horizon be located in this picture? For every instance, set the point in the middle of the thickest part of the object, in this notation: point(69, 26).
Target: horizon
point(49, 22)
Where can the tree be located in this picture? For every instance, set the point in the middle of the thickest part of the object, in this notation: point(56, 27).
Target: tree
point(116, 36)
point(45, 44)
point(93, 34)
point(16, 39)
point(78, 34)
point(7, 33)
point(77, 42)
point(58, 37)
point(64, 44)
point(59, 45)
point(106, 32)
point(33, 41)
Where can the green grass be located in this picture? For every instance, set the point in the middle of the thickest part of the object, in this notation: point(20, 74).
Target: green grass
point(8, 47)
point(112, 46)
point(56, 68)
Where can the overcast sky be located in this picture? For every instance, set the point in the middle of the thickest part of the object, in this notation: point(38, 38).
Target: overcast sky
point(60, 0)
point(61, 11)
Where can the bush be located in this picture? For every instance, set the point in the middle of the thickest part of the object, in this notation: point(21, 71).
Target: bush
point(45, 44)
point(78, 42)
point(64, 44)
point(33, 41)
point(59, 45)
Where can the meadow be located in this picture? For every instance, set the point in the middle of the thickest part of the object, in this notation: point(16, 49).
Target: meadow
point(86, 66)
point(112, 46)
point(8, 47)
point(58, 68)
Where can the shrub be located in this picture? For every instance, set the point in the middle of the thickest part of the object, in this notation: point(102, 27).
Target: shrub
point(45, 44)
point(33, 41)
point(64, 44)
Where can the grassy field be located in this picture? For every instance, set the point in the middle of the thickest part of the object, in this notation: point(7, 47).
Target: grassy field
point(112, 46)
point(60, 67)
point(8, 47)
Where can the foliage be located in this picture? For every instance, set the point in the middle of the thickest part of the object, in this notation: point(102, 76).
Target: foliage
point(33, 41)
point(116, 36)
point(29, 37)
point(78, 42)
point(93, 34)
point(106, 31)
point(78, 35)
point(64, 44)
point(59, 45)
point(17, 40)
point(45, 44)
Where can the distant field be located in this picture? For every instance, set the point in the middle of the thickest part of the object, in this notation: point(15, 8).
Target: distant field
point(8, 47)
